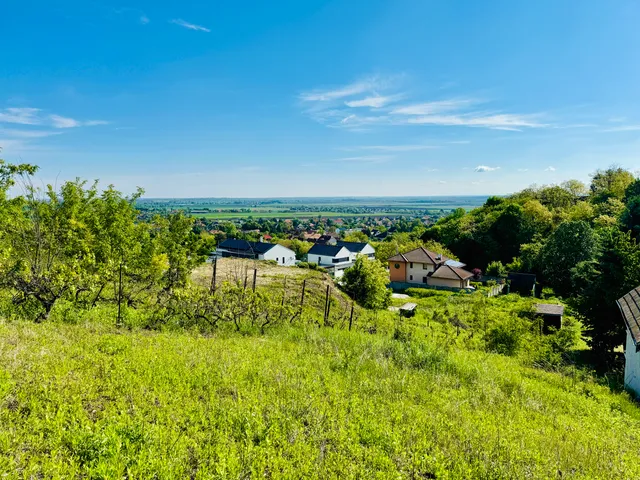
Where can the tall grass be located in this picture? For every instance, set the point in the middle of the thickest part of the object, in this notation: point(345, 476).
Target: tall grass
point(89, 401)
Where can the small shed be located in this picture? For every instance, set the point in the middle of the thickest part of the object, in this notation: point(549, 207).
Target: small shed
point(406, 310)
point(629, 306)
point(551, 315)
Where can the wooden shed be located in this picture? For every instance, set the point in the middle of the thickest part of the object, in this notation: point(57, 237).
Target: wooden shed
point(551, 315)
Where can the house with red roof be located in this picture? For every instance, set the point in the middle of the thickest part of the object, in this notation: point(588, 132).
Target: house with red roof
point(424, 267)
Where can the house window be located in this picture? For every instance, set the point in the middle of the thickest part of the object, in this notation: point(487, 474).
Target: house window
point(277, 259)
point(411, 265)
point(425, 266)
point(410, 277)
point(397, 265)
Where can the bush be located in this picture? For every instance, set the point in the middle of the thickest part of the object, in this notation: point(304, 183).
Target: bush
point(366, 283)
point(504, 339)
point(426, 293)
point(496, 269)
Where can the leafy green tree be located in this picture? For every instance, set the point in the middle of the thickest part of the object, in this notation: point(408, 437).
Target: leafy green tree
point(599, 282)
point(612, 182)
point(180, 246)
point(366, 282)
point(357, 237)
point(496, 269)
point(570, 244)
point(630, 218)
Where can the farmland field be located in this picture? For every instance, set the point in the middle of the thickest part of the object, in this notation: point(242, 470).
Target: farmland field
point(228, 209)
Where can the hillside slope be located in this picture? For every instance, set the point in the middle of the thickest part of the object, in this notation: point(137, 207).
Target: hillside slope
point(90, 401)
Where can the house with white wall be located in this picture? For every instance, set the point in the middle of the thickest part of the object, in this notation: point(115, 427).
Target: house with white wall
point(257, 251)
point(629, 306)
point(357, 248)
point(424, 267)
point(332, 257)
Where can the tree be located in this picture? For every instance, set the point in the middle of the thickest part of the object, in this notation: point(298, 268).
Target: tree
point(366, 282)
point(630, 218)
point(180, 246)
point(358, 237)
point(599, 282)
point(570, 244)
point(612, 182)
point(496, 269)
point(575, 188)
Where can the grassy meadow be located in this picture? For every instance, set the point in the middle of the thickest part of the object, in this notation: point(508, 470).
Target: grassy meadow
point(90, 401)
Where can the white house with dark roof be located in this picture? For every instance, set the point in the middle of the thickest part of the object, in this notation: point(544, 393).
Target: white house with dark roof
point(357, 248)
point(256, 250)
point(332, 257)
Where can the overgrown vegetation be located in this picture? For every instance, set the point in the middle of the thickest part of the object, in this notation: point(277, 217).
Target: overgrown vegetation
point(90, 401)
point(580, 241)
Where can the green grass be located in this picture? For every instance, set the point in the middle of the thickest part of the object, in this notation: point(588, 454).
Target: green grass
point(88, 401)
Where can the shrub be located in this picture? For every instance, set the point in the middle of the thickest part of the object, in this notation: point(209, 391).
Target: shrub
point(426, 293)
point(496, 269)
point(504, 339)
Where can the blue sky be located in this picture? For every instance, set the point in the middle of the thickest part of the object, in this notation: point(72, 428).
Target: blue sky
point(320, 98)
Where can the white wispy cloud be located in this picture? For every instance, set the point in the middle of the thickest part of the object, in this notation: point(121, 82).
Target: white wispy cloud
point(36, 116)
point(190, 26)
point(431, 108)
point(623, 128)
point(15, 133)
point(460, 142)
point(550, 169)
point(370, 84)
point(63, 122)
point(372, 102)
point(144, 19)
point(380, 97)
point(485, 168)
point(22, 116)
point(499, 121)
point(442, 182)
point(58, 121)
point(523, 169)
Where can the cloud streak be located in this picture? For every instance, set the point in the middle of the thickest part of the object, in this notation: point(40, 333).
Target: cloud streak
point(375, 101)
point(22, 116)
point(190, 26)
point(485, 168)
point(36, 117)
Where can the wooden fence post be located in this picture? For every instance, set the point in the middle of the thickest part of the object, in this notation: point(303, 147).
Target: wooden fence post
point(255, 275)
point(213, 276)
point(351, 316)
point(326, 304)
point(304, 286)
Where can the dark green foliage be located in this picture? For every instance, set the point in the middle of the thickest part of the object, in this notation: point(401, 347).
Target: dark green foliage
point(570, 244)
point(366, 282)
point(630, 217)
